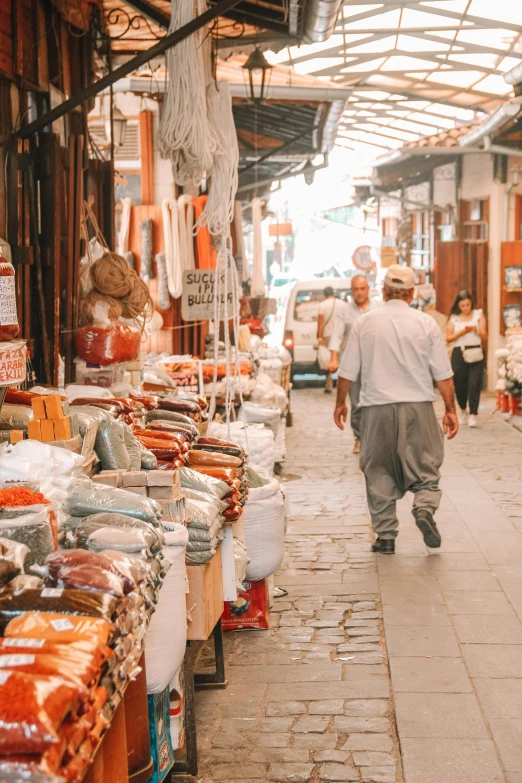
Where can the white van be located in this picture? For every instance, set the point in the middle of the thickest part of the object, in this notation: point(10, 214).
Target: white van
point(300, 336)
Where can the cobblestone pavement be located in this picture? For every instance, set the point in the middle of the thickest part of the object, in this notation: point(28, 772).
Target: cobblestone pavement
point(366, 652)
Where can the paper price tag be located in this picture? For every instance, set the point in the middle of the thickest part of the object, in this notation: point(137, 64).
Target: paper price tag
point(62, 625)
point(52, 592)
point(36, 643)
point(6, 661)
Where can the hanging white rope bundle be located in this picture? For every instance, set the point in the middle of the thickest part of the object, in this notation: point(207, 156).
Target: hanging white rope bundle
point(186, 231)
point(169, 211)
point(226, 283)
point(219, 209)
point(258, 280)
point(123, 234)
point(184, 134)
point(240, 241)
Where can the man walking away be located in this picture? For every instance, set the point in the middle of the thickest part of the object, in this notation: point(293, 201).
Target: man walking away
point(399, 352)
point(358, 305)
point(328, 310)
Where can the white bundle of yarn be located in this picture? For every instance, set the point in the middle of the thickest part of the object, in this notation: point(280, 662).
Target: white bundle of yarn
point(186, 231)
point(219, 209)
point(184, 135)
point(169, 210)
point(123, 234)
point(258, 281)
point(240, 241)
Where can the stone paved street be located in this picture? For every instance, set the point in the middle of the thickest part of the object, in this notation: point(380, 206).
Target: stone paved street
point(370, 654)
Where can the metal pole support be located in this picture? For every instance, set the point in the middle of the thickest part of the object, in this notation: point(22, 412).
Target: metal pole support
point(216, 680)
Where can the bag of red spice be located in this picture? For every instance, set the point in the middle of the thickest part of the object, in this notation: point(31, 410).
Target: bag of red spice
point(32, 709)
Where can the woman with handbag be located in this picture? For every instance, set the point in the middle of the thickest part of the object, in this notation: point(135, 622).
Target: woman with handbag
point(466, 332)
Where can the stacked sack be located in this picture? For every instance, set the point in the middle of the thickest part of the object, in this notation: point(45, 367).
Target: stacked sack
point(32, 511)
point(170, 426)
point(502, 356)
point(255, 439)
point(513, 364)
point(264, 519)
point(222, 460)
point(69, 647)
point(208, 501)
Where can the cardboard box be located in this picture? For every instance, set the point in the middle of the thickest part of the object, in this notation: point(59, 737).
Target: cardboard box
point(47, 427)
point(37, 404)
point(137, 490)
point(111, 478)
point(75, 425)
point(62, 428)
point(205, 598)
point(34, 430)
point(134, 478)
point(166, 510)
point(72, 444)
point(15, 436)
point(161, 493)
point(163, 478)
point(54, 408)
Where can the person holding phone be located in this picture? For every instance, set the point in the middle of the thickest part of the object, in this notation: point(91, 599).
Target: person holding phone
point(467, 332)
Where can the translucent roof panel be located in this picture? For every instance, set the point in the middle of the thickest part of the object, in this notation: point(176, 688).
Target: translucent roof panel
point(416, 67)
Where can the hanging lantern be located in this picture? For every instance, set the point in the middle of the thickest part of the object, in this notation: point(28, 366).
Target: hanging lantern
point(259, 74)
point(119, 125)
point(309, 173)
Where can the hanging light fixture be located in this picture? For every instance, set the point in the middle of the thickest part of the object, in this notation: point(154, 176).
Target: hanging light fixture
point(119, 125)
point(309, 173)
point(257, 66)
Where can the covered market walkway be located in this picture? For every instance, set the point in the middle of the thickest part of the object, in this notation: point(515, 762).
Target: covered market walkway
point(382, 669)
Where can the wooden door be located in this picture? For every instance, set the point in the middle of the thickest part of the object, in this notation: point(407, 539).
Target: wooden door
point(448, 273)
point(460, 265)
point(476, 273)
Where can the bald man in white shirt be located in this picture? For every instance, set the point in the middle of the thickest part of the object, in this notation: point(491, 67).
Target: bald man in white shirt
point(399, 354)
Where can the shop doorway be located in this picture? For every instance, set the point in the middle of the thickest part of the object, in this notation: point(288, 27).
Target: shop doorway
point(463, 263)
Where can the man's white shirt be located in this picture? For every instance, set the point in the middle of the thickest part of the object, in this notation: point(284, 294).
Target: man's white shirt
point(398, 352)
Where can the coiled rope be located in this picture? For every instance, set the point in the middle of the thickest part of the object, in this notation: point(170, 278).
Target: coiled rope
point(112, 278)
point(184, 135)
point(258, 281)
point(219, 209)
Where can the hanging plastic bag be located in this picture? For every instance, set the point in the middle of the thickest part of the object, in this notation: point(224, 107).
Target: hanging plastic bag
point(323, 356)
point(250, 610)
point(112, 343)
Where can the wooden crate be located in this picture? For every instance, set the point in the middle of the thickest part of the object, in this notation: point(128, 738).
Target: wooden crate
point(205, 598)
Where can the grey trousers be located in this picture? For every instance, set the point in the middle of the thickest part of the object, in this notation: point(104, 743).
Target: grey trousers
point(355, 408)
point(402, 449)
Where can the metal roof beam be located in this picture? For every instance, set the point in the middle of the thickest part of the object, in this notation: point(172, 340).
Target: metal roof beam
point(347, 78)
point(491, 24)
point(257, 20)
point(430, 57)
point(167, 42)
point(150, 12)
point(468, 47)
point(396, 105)
point(346, 22)
point(360, 141)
